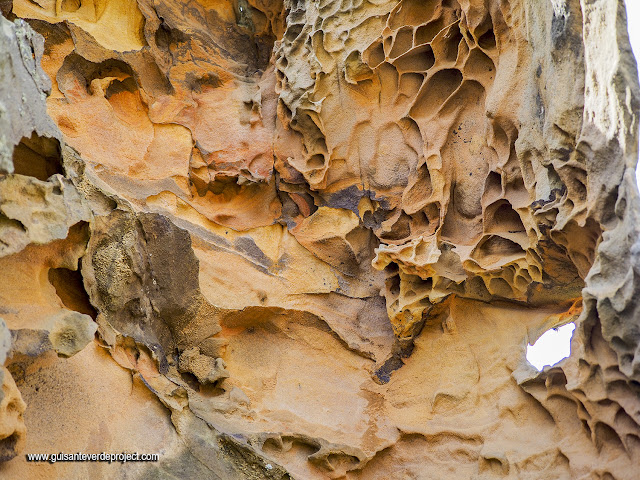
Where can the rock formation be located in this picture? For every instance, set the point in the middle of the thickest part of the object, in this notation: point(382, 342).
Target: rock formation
point(298, 239)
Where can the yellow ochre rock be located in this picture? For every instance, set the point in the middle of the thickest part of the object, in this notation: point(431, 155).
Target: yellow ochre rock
point(295, 239)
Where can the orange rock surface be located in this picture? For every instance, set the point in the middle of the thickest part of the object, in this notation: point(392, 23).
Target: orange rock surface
point(292, 239)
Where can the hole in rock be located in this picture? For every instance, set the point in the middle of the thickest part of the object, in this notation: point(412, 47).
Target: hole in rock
point(37, 157)
point(316, 161)
point(70, 288)
point(398, 230)
point(502, 218)
point(438, 88)
point(553, 346)
point(487, 40)
point(121, 86)
point(451, 47)
point(410, 84)
point(492, 247)
point(402, 42)
point(375, 55)
point(293, 32)
point(418, 60)
point(70, 5)
point(8, 447)
point(426, 33)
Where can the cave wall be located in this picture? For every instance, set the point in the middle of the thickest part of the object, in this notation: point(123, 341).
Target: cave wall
point(311, 240)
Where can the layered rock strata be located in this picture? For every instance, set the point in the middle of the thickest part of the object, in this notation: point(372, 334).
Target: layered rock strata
point(295, 239)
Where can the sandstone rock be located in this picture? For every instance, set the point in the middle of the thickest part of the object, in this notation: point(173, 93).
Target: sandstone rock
point(12, 427)
point(37, 212)
point(71, 332)
point(206, 369)
point(29, 342)
point(316, 238)
point(37, 206)
point(24, 122)
point(5, 341)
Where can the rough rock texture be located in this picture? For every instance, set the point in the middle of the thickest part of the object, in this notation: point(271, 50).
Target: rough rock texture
point(312, 239)
point(12, 428)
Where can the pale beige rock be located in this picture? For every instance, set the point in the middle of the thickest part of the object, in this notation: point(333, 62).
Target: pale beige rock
point(38, 212)
point(316, 238)
point(70, 332)
point(26, 129)
point(5, 341)
point(206, 369)
point(12, 426)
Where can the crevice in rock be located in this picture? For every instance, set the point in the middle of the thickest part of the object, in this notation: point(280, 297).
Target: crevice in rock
point(70, 288)
point(8, 447)
point(38, 157)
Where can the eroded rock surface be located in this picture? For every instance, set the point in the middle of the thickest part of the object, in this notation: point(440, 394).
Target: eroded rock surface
point(312, 239)
point(12, 428)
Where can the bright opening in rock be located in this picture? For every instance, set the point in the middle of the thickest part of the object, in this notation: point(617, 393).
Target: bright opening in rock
point(551, 347)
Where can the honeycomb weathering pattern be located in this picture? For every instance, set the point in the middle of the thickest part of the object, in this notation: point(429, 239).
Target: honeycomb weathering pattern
point(317, 236)
point(436, 166)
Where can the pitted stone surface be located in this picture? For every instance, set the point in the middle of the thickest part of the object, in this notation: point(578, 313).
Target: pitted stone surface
point(314, 237)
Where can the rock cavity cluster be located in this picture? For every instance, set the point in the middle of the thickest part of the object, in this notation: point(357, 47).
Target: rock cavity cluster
point(311, 239)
